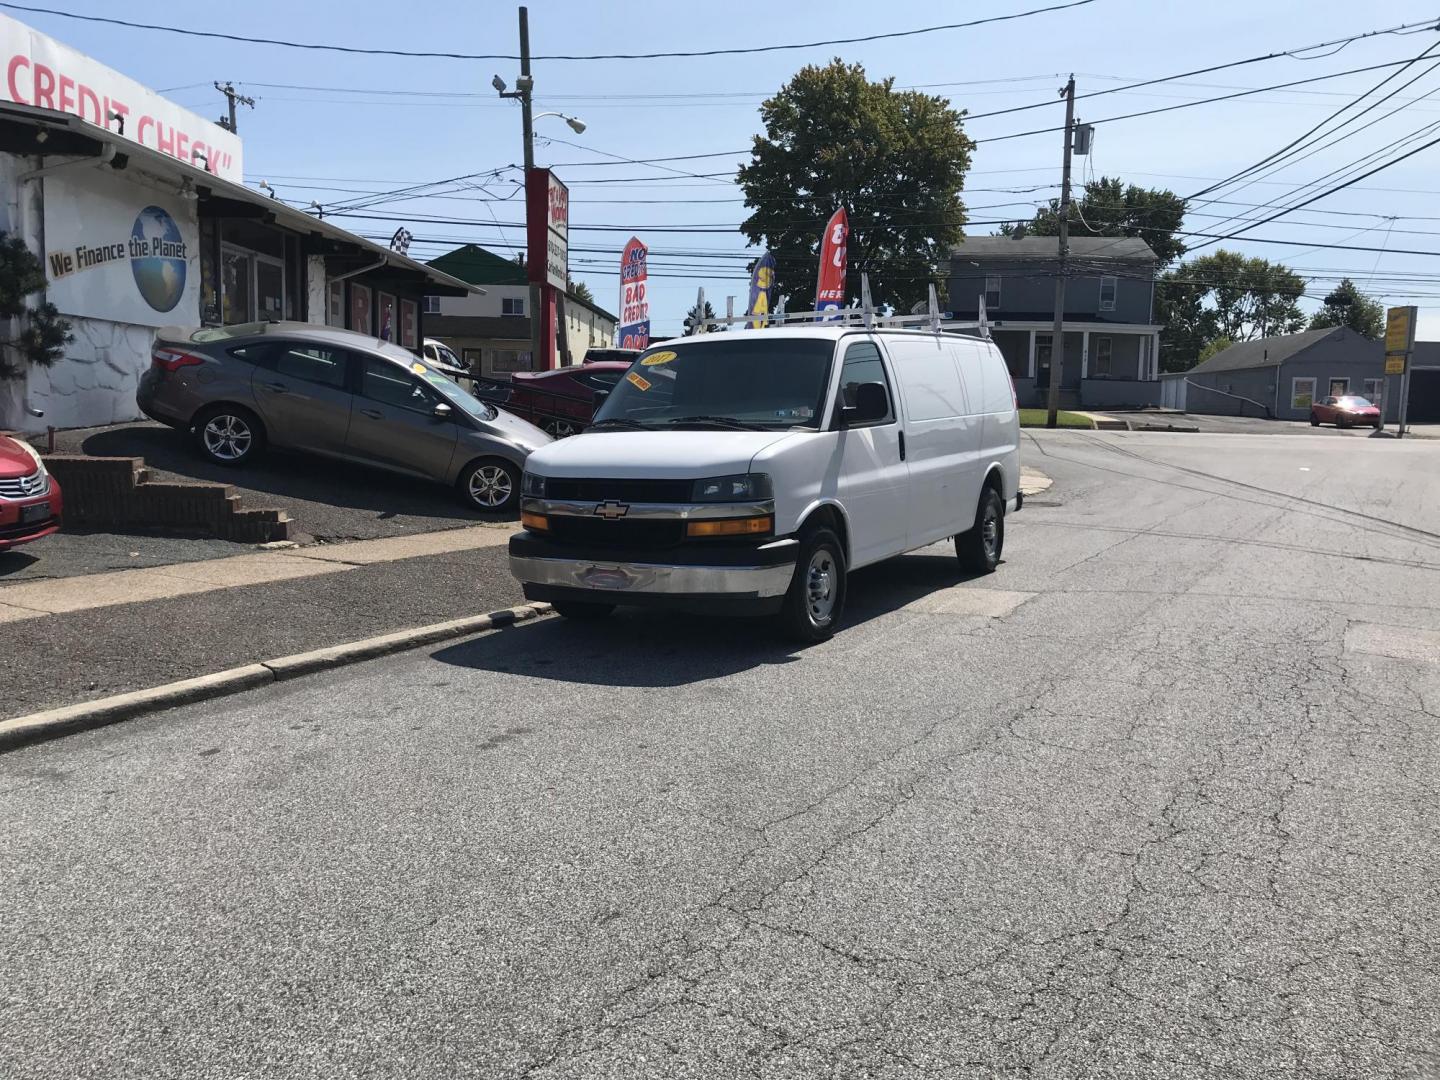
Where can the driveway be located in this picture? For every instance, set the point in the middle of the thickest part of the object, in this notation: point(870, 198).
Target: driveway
point(328, 501)
point(1252, 425)
point(1156, 799)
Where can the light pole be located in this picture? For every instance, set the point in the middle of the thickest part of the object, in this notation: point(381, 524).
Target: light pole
point(523, 92)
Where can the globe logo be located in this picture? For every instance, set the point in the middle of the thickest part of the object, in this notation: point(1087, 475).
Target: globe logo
point(158, 258)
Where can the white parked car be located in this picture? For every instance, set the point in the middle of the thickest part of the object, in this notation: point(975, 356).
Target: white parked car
point(749, 472)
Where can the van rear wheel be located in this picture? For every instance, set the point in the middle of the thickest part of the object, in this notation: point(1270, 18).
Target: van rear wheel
point(816, 600)
point(979, 550)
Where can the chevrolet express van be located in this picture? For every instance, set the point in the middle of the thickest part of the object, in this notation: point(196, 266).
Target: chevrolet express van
point(749, 472)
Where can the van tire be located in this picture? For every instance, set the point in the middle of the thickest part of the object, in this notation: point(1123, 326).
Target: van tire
point(582, 610)
point(979, 550)
point(815, 602)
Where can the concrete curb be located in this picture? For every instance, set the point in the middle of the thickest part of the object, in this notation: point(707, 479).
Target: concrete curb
point(36, 727)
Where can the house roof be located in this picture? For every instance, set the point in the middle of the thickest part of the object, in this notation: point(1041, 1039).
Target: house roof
point(474, 264)
point(67, 134)
point(1269, 352)
point(1048, 247)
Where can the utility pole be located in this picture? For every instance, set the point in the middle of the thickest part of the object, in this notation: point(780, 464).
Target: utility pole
point(523, 86)
point(1057, 337)
point(228, 89)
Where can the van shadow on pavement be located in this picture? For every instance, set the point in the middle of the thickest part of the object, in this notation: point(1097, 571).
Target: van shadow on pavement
point(323, 497)
point(639, 648)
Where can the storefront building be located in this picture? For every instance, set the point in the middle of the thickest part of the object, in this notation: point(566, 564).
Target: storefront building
point(135, 208)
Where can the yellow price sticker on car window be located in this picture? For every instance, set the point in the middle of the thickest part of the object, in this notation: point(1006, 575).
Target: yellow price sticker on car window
point(638, 381)
point(418, 368)
point(655, 359)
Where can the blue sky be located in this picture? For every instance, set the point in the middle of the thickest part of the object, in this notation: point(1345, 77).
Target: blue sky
point(400, 121)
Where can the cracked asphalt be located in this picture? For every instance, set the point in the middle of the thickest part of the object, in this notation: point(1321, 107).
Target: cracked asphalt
point(1157, 799)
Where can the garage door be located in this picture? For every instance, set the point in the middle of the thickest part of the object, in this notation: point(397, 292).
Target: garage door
point(1424, 397)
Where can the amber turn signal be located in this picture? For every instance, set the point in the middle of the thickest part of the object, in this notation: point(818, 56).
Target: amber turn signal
point(534, 521)
point(752, 526)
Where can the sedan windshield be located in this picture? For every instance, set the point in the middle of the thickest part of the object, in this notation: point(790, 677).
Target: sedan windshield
point(1355, 403)
point(752, 381)
point(453, 391)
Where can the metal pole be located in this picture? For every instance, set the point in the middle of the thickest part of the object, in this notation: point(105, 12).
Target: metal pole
point(1402, 428)
point(1057, 338)
point(525, 113)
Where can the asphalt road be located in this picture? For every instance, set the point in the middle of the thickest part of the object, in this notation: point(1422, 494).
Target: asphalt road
point(1157, 799)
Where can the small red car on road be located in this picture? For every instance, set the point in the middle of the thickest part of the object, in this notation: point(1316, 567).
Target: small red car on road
point(1346, 411)
point(30, 499)
point(561, 401)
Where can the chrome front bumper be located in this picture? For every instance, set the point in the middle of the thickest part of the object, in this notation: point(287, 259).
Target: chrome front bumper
point(661, 579)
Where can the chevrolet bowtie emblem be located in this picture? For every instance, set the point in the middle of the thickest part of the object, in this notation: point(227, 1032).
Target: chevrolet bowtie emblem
point(610, 510)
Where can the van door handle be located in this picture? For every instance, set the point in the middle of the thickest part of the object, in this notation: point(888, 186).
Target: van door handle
point(902, 446)
point(374, 414)
point(278, 387)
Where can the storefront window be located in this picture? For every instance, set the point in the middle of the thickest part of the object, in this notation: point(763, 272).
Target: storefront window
point(270, 288)
point(209, 277)
point(237, 269)
point(335, 304)
point(409, 317)
point(386, 312)
point(360, 308)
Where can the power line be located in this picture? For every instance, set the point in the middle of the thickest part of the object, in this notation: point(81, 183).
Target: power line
point(419, 54)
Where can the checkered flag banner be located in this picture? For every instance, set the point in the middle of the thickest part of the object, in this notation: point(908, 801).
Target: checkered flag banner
point(401, 240)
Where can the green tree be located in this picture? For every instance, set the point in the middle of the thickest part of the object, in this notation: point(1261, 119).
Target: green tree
point(1215, 345)
point(1108, 207)
point(896, 160)
point(42, 334)
point(1228, 295)
point(693, 317)
point(581, 291)
point(1348, 306)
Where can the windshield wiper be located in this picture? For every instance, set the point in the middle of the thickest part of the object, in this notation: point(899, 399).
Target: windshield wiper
point(720, 421)
point(619, 421)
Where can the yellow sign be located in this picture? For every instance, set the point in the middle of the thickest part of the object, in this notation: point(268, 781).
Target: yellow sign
point(638, 381)
point(1398, 329)
point(1395, 365)
point(657, 358)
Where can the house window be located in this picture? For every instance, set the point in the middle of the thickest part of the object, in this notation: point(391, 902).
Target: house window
point(1107, 293)
point(431, 305)
point(1339, 387)
point(992, 294)
point(1302, 393)
point(1101, 366)
point(512, 305)
point(1373, 389)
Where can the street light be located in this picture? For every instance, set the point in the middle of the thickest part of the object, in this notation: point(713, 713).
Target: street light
point(576, 124)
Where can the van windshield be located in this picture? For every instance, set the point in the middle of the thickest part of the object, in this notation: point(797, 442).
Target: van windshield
point(747, 382)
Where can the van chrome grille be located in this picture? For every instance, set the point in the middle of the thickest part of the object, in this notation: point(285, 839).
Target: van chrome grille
point(586, 489)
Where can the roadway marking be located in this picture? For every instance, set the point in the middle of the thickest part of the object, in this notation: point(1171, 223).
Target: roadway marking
point(959, 600)
point(1397, 642)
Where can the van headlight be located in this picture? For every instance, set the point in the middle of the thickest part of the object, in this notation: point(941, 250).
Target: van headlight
point(742, 487)
point(532, 486)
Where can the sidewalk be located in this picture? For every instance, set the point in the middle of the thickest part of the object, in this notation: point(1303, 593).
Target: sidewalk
point(76, 639)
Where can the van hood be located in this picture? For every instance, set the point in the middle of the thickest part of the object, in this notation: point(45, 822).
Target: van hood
point(679, 455)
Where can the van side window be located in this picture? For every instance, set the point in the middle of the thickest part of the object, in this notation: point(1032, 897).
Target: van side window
point(863, 365)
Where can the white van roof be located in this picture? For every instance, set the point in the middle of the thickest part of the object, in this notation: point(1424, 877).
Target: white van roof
point(813, 331)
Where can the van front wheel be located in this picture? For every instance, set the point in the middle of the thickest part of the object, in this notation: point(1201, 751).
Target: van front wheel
point(979, 549)
point(816, 600)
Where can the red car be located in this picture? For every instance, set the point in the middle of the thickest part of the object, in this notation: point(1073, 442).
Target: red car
point(1346, 411)
point(562, 401)
point(30, 499)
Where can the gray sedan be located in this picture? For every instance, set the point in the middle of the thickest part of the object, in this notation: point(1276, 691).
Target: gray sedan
point(336, 393)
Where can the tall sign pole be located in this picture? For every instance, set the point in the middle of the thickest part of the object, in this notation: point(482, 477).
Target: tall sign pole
point(1399, 344)
point(1057, 337)
point(524, 85)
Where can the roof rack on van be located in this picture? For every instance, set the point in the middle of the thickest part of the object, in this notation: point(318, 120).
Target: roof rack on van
point(863, 315)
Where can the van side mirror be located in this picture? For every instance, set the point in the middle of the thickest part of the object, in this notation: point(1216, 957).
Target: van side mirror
point(600, 396)
point(871, 403)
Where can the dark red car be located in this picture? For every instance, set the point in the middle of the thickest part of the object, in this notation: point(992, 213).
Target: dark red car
point(1346, 411)
point(562, 401)
point(30, 499)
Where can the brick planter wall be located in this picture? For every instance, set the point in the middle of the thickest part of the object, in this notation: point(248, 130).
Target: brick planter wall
point(117, 493)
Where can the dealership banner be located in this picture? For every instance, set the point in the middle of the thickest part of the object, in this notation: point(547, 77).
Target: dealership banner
point(40, 71)
point(830, 292)
point(118, 251)
point(634, 332)
point(547, 226)
point(762, 289)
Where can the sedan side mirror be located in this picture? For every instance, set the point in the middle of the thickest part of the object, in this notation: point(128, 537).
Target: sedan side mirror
point(443, 411)
point(600, 396)
point(872, 403)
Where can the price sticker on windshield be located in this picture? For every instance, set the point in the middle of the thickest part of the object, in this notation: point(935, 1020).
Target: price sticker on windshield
point(656, 359)
point(638, 381)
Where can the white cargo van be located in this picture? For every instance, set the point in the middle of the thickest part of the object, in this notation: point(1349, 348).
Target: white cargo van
point(749, 472)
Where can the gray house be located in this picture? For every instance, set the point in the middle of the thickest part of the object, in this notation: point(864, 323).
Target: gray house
point(1281, 376)
point(1112, 344)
